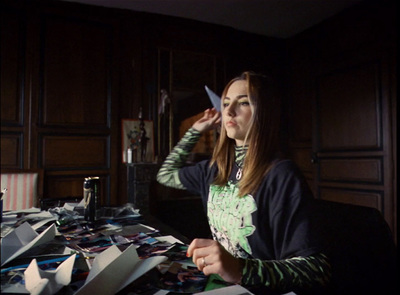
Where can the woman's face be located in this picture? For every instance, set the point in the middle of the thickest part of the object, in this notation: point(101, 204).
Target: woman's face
point(236, 113)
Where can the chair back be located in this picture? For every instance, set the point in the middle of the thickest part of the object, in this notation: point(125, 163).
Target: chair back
point(24, 188)
point(361, 248)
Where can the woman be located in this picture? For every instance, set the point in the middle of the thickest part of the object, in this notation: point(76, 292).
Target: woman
point(257, 202)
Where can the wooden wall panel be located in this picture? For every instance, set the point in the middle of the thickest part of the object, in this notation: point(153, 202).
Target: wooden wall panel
point(352, 170)
point(204, 73)
point(348, 109)
point(14, 107)
point(75, 65)
point(12, 66)
point(302, 157)
point(11, 150)
point(79, 152)
point(77, 102)
point(368, 199)
point(70, 184)
point(299, 106)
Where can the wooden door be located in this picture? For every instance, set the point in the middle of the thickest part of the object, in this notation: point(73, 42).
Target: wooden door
point(342, 100)
point(354, 94)
point(352, 136)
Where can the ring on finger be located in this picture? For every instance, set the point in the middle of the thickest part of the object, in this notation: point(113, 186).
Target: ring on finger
point(204, 262)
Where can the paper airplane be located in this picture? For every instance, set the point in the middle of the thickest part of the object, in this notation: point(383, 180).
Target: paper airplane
point(49, 282)
point(22, 239)
point(215, 99)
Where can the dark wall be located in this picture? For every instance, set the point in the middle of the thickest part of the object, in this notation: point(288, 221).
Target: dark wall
point(71, 72)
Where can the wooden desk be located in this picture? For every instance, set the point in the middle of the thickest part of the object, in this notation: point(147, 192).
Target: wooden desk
point(165, 229)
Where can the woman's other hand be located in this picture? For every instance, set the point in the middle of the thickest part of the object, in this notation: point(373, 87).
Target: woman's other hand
point(212, 258)
point(210, 120)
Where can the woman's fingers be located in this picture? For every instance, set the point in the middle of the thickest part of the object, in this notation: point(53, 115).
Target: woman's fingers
point(198, 243)
point(210, 120)
point(210, 257)
point(200, 250)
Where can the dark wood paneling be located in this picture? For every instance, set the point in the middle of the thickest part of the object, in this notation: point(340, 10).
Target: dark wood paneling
point(371, 24)
point(352, 170)
point(302, 157)
point(193, 70)
point(77, 103)
point(344, 67)
point(70, 184)
point(11, 150)
point(79, 152)
point(12, 66)
point(348, 104)
point(368, 199)
point(299, 105)
point(75, 64)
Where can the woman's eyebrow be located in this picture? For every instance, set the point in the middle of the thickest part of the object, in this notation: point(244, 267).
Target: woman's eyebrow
point(237, 97)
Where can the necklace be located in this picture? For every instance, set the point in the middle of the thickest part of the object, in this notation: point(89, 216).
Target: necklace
point(239, 173)
point(240, 153)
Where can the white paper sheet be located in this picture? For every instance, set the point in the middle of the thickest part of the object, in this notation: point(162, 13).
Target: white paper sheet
point(40, 215)
point(30, 210)
point(112, 270)
point(42, 282)
point(169, 239)
point(17, 288)
point(22, 239)
point(40, 223)
point(215, 99)
point(72, 206)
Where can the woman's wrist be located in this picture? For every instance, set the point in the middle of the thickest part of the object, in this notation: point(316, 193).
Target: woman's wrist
point(194, 131)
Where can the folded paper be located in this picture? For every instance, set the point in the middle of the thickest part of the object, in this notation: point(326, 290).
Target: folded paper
point(39, 282)
point(113, 270)
point(22, 239)
point(215, 99)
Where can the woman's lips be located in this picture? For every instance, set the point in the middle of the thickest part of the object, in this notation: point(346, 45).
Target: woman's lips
point(231, 124)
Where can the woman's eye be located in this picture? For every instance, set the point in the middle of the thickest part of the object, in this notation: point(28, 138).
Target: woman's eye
point(244, 103)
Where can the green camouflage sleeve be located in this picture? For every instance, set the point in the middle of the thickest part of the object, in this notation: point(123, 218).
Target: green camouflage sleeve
point(168, 173)
point(288, 274)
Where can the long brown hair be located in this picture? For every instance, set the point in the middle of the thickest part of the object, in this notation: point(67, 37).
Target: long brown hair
point(262, 137)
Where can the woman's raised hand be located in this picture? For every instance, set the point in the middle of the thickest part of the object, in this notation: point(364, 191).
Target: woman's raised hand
point(210, 120)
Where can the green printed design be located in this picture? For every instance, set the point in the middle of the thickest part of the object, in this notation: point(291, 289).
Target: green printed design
point(168, 173)
point(230, 218)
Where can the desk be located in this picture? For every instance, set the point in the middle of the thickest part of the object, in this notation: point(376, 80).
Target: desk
point(175, 253)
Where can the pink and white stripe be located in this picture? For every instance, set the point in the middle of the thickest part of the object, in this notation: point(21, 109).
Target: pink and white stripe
point(21, 190)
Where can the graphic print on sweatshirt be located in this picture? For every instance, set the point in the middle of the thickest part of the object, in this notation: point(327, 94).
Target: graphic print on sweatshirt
point(230, 218)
